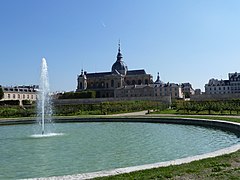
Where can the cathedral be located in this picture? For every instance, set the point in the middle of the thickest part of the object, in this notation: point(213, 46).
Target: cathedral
point(105, 84)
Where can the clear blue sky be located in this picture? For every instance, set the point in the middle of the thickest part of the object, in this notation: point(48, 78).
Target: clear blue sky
point(185, 40)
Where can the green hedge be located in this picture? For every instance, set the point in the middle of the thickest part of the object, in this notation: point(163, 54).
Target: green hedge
point(10, 102)
point(17, 111)
point(84, 109)
point(209, 107)
point(78, 95)
point(108, 107)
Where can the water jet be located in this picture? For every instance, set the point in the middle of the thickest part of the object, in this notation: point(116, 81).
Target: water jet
point(44, 100)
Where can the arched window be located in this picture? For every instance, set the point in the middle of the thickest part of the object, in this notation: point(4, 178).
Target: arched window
point(133, 82)
point(146, 81)
point(128, 82)
point(139, 82)
point(112, 83)
point(102, 84)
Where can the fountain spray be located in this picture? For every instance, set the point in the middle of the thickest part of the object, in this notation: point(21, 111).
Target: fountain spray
point(44, 101)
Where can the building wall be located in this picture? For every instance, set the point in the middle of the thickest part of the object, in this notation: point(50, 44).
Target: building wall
point(169, 89)
point(218, 89)
point(14, 93)
point(230, 86)
point(207, 97)
point(138, 79)
point(105, 86)
point(134, 91)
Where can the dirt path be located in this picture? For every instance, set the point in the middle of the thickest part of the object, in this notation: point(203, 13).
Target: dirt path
point(140, 113)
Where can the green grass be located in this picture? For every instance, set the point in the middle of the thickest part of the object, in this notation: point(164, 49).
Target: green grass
point(221, 167)
point(212, 117)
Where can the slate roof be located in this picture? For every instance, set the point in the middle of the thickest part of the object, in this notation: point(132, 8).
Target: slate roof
point(102, 74)
point(136, 72)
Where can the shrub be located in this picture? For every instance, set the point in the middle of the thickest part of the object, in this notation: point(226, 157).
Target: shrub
point(10, 102)
point(78, 95)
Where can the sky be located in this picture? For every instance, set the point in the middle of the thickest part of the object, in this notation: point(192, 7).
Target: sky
point(184, 40)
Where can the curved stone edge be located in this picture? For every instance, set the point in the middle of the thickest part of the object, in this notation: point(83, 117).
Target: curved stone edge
point(143, 167)
point(233, 126)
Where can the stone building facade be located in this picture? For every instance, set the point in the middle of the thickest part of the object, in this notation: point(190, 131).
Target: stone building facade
point(106, 83)
point(20, 93)
point(123, 83)
point(135, 91)
point(187, 89)
point(230, 86)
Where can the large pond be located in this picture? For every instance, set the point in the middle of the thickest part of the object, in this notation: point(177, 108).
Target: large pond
point(89, 147)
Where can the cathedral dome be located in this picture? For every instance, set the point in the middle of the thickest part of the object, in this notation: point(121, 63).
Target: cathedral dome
point(119, 66)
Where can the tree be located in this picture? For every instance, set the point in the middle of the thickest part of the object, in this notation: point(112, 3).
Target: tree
point(1, 93)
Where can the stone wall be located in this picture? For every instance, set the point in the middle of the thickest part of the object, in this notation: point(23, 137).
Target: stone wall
point(163, 99)
point(205, 97)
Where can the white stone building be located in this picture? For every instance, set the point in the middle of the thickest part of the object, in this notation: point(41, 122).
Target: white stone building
point(20, 93)
point(158, 89)
point(230, 86)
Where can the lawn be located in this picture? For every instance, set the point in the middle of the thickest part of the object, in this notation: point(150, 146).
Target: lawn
point(221, 167)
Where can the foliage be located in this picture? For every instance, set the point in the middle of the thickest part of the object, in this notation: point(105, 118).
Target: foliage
point(108, 107)
point(78, 95)
point(208, 107)
point(26, 102)
point(1, 93)
point(222, 167)
point(9, 102)
point(16, 111)
point(84, 109)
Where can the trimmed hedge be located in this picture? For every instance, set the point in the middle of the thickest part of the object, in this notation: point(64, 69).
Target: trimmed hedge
point(78, 95)
point(108, 107)
point(10, 102)
point(211, 107)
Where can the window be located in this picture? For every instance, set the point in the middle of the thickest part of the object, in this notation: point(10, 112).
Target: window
point(24, 96)
point(139, 82)
point(9, 96)
point(14, 96)
point(112, 83)
point(146, 81)
point(19, 96)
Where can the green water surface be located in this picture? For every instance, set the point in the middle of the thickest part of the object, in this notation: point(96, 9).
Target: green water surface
point(89, 147)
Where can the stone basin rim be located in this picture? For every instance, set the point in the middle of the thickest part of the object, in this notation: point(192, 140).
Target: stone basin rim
point(220, 124)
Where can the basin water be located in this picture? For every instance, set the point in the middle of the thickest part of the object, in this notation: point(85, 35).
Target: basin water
point(90, 147)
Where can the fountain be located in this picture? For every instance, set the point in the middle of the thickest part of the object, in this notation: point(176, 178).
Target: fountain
point(44, 100)
point(104, 144)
